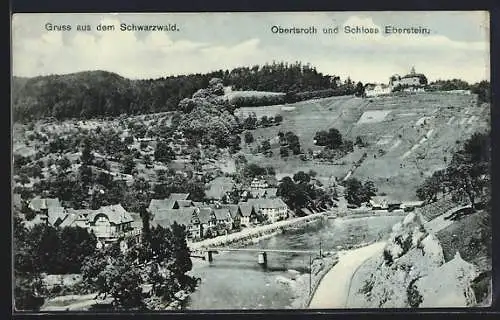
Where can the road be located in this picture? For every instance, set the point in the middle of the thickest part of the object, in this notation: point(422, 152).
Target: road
point(333, 289)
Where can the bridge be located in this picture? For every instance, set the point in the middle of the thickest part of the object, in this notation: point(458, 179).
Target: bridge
point(262, 252)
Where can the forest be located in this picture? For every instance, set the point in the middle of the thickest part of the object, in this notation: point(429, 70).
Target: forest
point(93, 94)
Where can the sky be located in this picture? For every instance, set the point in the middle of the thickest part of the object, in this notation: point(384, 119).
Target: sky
point(457, 46)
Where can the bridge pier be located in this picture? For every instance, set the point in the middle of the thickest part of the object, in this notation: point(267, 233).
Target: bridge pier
point(262, 259)
point(208, 256)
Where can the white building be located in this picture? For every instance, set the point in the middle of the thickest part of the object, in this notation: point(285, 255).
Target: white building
point(377, 90)
point(273, 209)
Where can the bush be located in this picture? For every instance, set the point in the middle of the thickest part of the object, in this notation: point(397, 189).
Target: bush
point(388, 257)
point(414, 297)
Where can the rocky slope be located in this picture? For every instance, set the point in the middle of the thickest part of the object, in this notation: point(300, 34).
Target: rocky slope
point(412, 272)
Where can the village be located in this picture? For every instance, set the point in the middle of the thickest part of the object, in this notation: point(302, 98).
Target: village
point(211, 175)
point(203, 220)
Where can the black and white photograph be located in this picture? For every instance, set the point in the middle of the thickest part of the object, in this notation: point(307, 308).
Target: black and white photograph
point(250, 161)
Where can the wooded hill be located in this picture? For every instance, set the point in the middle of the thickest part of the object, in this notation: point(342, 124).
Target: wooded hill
point(100, 93)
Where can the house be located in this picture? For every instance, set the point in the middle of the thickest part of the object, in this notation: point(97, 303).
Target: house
point(274, 209)
point(271, 192)
point(377, 90)
point(208, 221)
point(41, 206)
point(264, 193)
point(411, 205)
point(384, 203)
point(236, 215)
point(248, 213)
point(258, 184)
point(174, 201)
point(136, 225)
point(379, 203)
point(109, 223)
point(219, 187)
point(224, 218)
point(179, 196)
point(183, 204)
point(56, 215)
point(182, 216)
point(76, 218)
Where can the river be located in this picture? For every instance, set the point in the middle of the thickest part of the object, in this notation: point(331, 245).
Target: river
point(234, 280)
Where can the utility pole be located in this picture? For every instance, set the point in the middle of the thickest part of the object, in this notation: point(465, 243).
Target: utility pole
point(310, 275)
point(320, 255)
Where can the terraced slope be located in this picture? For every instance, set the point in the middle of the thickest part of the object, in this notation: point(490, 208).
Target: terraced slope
point(409, 136)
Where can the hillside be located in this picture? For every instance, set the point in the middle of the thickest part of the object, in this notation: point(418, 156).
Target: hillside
point(91, 94)
point(409, 136)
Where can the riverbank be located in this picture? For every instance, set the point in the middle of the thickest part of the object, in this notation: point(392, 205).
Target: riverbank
point(255, 234)
point(375, 213)
point(333, 289)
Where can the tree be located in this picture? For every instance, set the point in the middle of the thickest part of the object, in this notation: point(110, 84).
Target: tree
point(265, 146)
point(87, 155)
point(164, 153)
point(182, 260)
point(356, 193)
point(293, 142)
point(250, 122)
point(75, 245)
point(128, 164)
point(111, 273)
point(360, 89)
point(248, 137)
point(64, 164)
point(301, 177)
point(264, 121)
point(468, 172)
point(278, 118)
point(331, 139)
point(128, 140)
point(432, 186)
point(253, 170)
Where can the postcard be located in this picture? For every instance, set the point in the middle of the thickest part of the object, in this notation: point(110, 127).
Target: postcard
point(251, 161)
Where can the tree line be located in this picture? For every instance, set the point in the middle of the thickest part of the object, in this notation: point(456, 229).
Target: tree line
point(99, 93)
point(482, 88)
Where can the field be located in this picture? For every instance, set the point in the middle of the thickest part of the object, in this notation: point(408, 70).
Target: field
point(408, 136)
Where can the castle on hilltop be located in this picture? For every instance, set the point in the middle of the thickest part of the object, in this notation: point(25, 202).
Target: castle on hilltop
point(411, 82)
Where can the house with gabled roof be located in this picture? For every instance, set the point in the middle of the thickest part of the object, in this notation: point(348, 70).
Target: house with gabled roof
point(384, 203)
point(179, 196)
point(56, 215)
point(186, 216)
point(109, 223)
point(76, 218)
point(248, 213)
point(208, 221)
point(183, 204)
point(274, 209)
point(236, 215)
point(224, 218)
point(41, 206)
